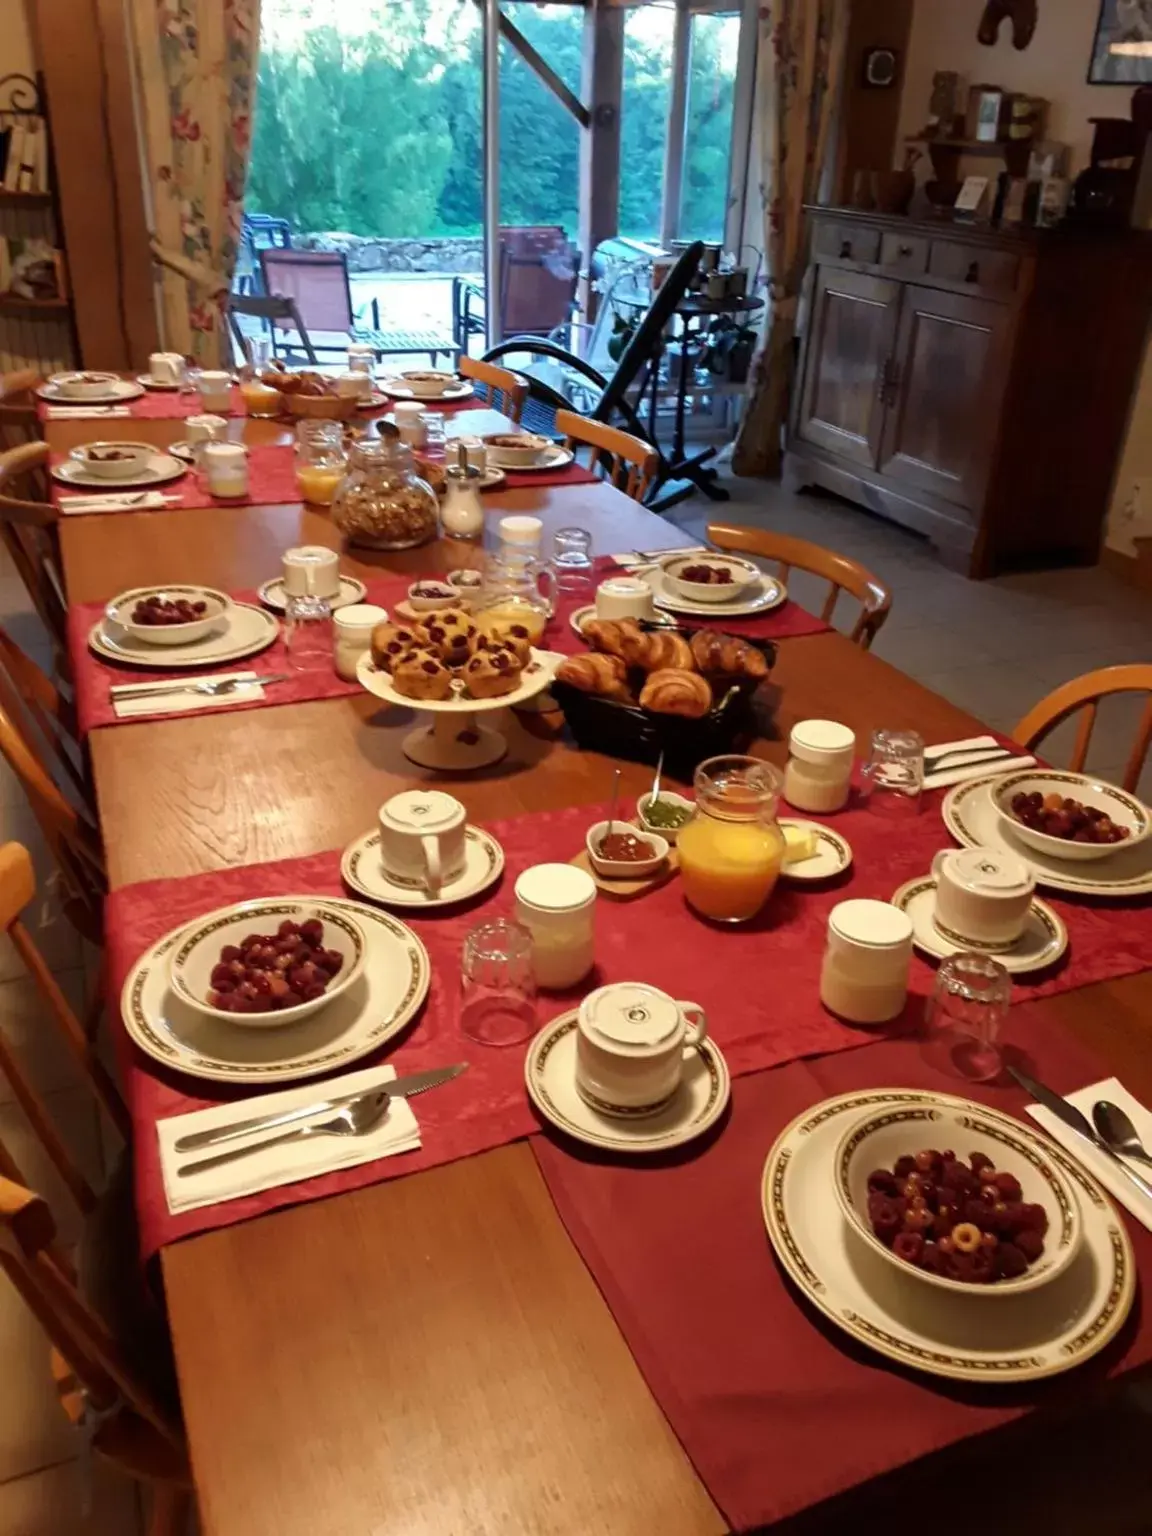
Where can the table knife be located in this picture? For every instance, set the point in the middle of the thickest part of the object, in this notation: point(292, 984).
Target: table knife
point(399, 1088)
point(1078, 1122)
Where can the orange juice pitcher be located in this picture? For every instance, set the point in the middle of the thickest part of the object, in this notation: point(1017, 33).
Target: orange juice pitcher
point(732, 850)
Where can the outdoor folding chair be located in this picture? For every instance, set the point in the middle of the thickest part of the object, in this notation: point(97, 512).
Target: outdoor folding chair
point(274, 313)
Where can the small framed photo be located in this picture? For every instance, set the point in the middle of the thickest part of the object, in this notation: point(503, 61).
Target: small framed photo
point(985, 109)
point(971, 195)
point(1122, 47)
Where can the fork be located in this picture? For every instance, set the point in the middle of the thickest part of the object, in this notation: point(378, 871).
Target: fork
point(211, 688)
point(355, 1119)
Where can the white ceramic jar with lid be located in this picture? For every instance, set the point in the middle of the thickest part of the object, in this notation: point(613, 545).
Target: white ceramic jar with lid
point(819, 772)
point(556, 903)
point(864, 977)
point(225, 468)
point(352, 628)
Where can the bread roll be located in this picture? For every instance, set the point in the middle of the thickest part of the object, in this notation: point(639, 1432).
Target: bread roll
point(727, 655)
point(593, 673)
point(673, 691)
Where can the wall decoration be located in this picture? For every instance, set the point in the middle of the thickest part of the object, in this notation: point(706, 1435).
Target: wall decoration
point(881, 68)
point(1122, 51)
point(1021, 13)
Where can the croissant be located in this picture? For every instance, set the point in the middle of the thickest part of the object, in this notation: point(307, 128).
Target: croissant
point(728, 655)
point(673, 691)
point(593, 673)
point(664, 649)
point(615, 637)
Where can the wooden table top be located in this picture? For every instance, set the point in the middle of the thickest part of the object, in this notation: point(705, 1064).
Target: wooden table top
point(428, 1355)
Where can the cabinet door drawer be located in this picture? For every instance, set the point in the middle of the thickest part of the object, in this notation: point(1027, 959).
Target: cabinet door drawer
point(996, 271)
point(904, 253)
point(846, 242)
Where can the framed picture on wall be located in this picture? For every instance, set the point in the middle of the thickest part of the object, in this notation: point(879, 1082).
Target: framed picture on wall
point(1122, 50)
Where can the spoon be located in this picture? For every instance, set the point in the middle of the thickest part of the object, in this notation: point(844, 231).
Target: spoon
point(654, 792)
point(612, 807)
point(1113, 1126)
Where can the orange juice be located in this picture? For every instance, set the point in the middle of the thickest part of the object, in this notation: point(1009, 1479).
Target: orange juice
point(317, 482)
point(514, 610)
point(732, 851)
point(259, 399)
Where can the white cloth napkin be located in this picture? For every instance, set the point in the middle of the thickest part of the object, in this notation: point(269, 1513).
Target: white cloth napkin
point(1098, 1163)
point(121, 501)
point(960, 770)
point(84, 412)
point(127, 703)
point(303, 1158)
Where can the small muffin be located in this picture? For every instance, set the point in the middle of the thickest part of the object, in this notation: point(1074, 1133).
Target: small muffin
point(421, 674)
point(514, 637)
point(508, 630)
point(452, 635)
point(492, 673)
point(391, 641)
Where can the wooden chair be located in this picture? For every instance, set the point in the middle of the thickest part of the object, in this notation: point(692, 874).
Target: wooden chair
point(19, 422)
point(28, 526)
point(1084, 693)
point(630, 463)
point(503, 390)
point(790, 553)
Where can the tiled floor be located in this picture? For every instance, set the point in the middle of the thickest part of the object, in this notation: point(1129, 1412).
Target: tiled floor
point(993, 647)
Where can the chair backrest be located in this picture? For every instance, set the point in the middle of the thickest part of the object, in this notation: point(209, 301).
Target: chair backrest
point(502, 389)
point(277, 311)
point(843, 574)
point(539, 267)
point(318, 283)
point(630, 463)
point(1084, 694)
point(28, 526)
point(19, 422)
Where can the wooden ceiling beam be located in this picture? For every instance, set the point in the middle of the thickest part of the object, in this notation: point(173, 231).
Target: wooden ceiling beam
point(544, 71)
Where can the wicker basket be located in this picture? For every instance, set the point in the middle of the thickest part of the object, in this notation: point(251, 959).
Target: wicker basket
point(321, 407)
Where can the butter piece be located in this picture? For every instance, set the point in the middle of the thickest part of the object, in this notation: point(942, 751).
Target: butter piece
point(799, 843)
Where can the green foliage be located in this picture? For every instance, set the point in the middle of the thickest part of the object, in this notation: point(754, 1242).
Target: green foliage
point(380, 133)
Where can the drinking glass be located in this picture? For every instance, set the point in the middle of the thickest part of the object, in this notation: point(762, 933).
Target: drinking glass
point(497, 985)
point(435, 434)
point(321, 462)
point(894, 774)
point(572, 558)
point(963, 1016)
point(309, 637)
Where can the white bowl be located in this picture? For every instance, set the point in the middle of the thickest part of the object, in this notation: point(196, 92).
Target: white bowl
point(429, 382)
point(114, 461)
point(82, 385)
point(449, 597)
point(744, 575)
point(669, 834)
point(877, 1139)
point(625, 869)
point(192, 963)
point(119, 610)
point(517, 448)
point(1124, 809)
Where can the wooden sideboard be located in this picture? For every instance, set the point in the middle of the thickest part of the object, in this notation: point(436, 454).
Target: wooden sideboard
point(972, 384)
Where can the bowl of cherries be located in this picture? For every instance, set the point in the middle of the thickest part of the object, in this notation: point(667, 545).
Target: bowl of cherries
point(958, 1196)
point(168, 615)
point(268, 963)
point(1069, 815)
point(708, 578)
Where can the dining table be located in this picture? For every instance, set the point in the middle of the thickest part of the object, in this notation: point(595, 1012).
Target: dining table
point(431, 1353)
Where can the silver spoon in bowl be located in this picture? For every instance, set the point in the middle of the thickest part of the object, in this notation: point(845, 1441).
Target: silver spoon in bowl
point(1114, 1126)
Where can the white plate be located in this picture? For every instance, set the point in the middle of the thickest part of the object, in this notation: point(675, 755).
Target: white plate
point(1022, 1338)
point(183, 451)
point(123, 389)
point(491, 478)
point(380, 683)
point(580, 617)
point(400, 391)
point(762, 598)
point(361, 868)
point(271, 594)
point(242, 631)
point(387, 995)
point(148, 382)
point(832, 857)
point(550, 1075)
point(1043, 941)
point(161, 467)
point(554, 457)
point(973, 820)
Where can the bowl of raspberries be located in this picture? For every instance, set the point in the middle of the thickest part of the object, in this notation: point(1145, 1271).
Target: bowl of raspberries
point(273, 962)
point(1069, 815)
point(169, 615)
point(961, 1197)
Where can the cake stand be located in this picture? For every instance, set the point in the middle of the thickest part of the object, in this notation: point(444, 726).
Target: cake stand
point(455, 740)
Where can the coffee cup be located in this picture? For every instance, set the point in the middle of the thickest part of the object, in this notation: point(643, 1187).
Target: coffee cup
point(205, 429)
point(422, 839)
point(624, 597)
point(166, 368)
point(983, 897)
point(310, 570)
point(630, 1044)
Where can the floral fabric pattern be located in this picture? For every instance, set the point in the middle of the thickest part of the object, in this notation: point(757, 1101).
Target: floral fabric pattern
point(196, 63)
point(800, 59)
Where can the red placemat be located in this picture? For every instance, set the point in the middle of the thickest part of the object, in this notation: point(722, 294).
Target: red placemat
point(777, 1409)
point(571, 474)
point(271, 480)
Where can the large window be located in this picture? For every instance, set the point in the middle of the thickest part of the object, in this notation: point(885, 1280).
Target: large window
point(646, 98)
point(708, 125)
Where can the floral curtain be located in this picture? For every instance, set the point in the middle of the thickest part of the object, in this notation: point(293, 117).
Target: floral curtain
point(196, 67)
point(799, 62)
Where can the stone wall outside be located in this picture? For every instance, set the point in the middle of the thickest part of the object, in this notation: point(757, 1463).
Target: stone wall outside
point(366, 253)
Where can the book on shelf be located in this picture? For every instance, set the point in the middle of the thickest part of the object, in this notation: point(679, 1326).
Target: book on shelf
point(25, 155)
point(15, 157)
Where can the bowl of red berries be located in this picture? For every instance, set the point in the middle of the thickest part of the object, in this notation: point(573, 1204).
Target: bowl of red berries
point(708, 578)
point(169, 615)
point(958, 1196)
point(268, 963)
point(1069, 815)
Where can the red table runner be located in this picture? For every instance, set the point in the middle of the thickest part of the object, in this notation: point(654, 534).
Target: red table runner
point(174, 405)
point(776, 1018)
point(271, 481)
point(776, 1408)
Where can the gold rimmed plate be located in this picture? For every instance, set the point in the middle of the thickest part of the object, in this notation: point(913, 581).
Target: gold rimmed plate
point(832, 857)
point(1042, 943)
point(362, 870)
point(242, 631)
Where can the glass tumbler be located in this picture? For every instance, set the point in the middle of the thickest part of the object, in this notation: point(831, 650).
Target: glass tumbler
point(572, 559)
point(497, 985)
point(894, 773)
point(321, 462)
point(964, 1014)
point(435, 434)
point(309, 636)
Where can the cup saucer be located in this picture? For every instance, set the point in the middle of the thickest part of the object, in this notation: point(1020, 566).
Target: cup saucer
point(550, 1076)
point(362, 870)
point(1042, 943)
point(832, 857)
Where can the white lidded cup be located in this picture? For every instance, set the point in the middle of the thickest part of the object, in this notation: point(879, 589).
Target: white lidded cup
point(410, 423)
point(983, 897)
point(422, 838)
point(215, 388)
point(205, 429)
point(166, 368)
point(556, 903)
point(225, 467)
point(864, 976)
point(352, 628)
point(521, 536)
point(630, 1045)
point(310, 570)
point(624, 597)
point(819, 772)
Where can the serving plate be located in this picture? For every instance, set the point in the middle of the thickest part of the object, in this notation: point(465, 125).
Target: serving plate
point(120, 391)
point(161, 468)
point(242, 631)
point(767, 594)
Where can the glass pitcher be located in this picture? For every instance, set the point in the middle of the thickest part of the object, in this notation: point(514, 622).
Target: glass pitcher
point(732, 850)
point(517, 591)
